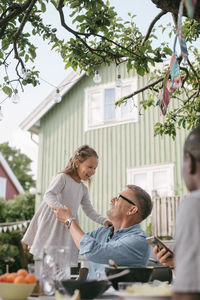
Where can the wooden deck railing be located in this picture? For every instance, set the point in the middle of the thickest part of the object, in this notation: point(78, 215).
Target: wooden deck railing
point(164, 216)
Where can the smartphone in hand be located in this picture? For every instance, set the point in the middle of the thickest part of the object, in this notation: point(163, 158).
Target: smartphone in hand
point(154, 241)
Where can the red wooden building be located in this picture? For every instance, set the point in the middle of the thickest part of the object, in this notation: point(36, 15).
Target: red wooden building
point(9, 184)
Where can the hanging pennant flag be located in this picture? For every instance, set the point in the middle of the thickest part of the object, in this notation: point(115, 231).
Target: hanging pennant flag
point(180, 33)
point(164, 100)
point(175, 82)
point(183, 46)
point(19, 226)
point(164, 97)
point(5, 228)
point(190, 6)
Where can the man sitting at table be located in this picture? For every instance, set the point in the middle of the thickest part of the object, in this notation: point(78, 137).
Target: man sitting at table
point(124, 242)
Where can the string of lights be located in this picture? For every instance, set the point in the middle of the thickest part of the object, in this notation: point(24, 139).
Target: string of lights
point(57, 97)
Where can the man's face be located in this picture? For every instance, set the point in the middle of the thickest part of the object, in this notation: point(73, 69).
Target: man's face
point(119, 206)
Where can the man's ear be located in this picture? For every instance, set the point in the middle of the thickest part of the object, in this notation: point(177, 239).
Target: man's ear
point(191, 163)
point(133, 210)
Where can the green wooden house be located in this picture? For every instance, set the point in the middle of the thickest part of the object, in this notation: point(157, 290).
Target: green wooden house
point(123, 138)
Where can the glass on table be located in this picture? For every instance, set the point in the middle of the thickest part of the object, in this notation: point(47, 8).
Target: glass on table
point(55, 267)
point(31, 268)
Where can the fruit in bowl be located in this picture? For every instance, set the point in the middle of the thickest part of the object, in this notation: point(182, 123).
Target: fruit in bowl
point(17, 286)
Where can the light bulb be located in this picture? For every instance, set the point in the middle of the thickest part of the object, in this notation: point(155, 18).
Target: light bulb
point(57, 97)
point(15, 97)
point(1, 114)
point(97, 77)
point(118, 82)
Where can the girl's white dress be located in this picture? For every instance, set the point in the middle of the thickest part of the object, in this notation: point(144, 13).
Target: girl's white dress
point(45, 230)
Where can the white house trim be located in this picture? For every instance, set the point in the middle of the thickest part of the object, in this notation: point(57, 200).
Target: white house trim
point(149, 171)
point(11, 175)
point(133, 115)
point(32, 122)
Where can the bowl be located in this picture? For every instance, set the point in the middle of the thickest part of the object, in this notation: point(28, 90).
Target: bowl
point(15, 291)
point(136, 274)
point(89, 289)
point(162, 273)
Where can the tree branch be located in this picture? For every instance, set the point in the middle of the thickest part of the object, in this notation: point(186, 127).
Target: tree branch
point(16, 9)
point(162, 13)
point(193, 70)
point(174, 17)
point(77, 34)
point(118, 45)
point(60, 10)
point(186, 76)
point(20, 29)
point(139, 91)
point(87, 35)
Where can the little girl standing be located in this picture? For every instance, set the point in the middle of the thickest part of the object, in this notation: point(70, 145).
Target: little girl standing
point(65, 189)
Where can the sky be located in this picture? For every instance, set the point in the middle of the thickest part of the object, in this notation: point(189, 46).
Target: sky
point(52, 71)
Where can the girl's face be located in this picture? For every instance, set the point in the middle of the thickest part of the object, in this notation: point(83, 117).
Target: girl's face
point(87, 168)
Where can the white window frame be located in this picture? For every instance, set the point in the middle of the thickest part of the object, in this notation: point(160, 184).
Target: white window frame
point(132, 117)
point(3, 182)
point(168, 167)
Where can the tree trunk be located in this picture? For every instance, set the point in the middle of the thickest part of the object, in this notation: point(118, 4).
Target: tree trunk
point(173, 6)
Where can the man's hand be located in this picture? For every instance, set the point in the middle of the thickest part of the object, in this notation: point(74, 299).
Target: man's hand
point(163, 257)
point(62, 213)
point(108, 223)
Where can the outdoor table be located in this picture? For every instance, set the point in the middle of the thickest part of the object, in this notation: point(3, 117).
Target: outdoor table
point(109, 294)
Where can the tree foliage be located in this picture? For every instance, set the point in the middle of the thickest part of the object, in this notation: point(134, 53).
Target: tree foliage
point(99, 37)
point(19, 164)
point(21, 208)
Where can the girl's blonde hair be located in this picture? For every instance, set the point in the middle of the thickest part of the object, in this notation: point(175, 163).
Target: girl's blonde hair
point(81, 154)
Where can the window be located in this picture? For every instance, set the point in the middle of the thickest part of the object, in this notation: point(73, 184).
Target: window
point(2, 187)
point(100, 109)
point(157, 179)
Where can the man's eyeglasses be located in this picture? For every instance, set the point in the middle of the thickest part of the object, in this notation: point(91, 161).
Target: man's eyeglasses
point(126, 199)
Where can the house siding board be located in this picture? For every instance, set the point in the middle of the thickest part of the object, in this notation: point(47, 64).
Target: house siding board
point(119, 147)
point(39, 182)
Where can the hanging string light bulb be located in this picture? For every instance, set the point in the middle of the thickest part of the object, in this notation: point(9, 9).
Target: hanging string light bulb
point(57, 97)
point(97, 77)
point(15, 97)
point(1, 114)
point(118, 81)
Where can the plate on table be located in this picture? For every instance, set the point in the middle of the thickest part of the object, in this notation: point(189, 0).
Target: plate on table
point(129, 296)
point(146, 291)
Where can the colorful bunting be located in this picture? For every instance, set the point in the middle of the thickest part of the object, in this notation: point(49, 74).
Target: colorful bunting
point(174, 70)
point(4, 227)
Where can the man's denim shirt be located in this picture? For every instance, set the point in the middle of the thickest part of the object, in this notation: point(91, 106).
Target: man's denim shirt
point(127, 247)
